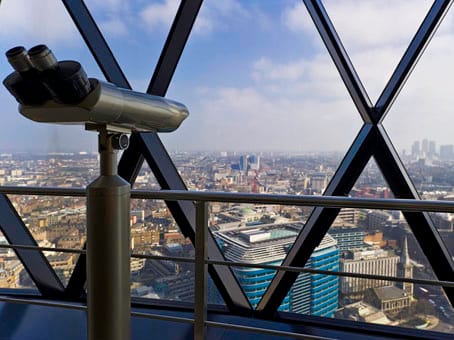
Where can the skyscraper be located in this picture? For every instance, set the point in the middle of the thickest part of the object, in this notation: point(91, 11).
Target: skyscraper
point(348, 237)
point(254, 162)
point(432, 149)
point(425, 147)
point(318, 294)
point(447, 152)
point(415, 150)
point(243, 163)
point(269, 244)
point(366, 260)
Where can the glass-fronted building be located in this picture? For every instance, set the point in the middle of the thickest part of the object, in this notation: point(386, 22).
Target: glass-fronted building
point(268, 244)
point(317, 294)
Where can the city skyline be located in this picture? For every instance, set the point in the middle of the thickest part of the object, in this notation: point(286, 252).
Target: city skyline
point(281, 94)
point(259, 234)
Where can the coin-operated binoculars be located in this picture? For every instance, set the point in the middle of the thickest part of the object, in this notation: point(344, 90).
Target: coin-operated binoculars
point(51, 91)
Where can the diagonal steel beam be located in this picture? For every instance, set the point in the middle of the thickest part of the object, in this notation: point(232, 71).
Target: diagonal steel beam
point(34, 262)
point(319, 221)
point(420, 223)
point(411, 56)
point(340, 58)
point(174, 46)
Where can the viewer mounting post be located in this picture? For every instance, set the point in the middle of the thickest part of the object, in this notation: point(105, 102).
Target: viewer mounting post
point(108, 244)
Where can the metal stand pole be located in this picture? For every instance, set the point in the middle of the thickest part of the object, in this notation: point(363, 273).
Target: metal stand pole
point(108, 248)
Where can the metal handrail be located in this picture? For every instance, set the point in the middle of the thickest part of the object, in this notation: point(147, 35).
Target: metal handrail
point(248, 265)
point(299, 200)
point(201, 199)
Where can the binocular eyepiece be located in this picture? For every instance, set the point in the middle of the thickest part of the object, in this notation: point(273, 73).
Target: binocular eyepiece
point(39, 77)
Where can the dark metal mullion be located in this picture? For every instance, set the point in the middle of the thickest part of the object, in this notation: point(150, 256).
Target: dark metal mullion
point(411, 57)
point(96, 42)
point(34, 262)
point(76, 284)
point(173, 47)
point(340, 58)
point(319, 221)
point(420, 223)
point(184, 214)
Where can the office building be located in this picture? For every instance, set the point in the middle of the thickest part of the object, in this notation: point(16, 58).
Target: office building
point(348, 237)
point(366, 260)
point(318, 294)
point(447, 152)
point(415, 149)
point(269, 244)
point(244, 163)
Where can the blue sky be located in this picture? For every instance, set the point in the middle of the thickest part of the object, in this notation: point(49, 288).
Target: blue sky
point(254, 75)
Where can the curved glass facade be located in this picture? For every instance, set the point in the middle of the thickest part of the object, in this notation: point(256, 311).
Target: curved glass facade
point(268, 244)
point(317, 294)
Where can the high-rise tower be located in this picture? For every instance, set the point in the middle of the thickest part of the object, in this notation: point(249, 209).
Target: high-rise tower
point(314, 294)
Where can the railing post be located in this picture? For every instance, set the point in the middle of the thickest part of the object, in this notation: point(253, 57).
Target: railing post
point(200, 303)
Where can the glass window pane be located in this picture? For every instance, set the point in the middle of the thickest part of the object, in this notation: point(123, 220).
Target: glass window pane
point(12, 272)
point(375, 33)
point(256, 88)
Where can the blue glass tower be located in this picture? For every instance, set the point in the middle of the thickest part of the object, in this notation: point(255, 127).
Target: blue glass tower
point(269, 244)
point(318, 294)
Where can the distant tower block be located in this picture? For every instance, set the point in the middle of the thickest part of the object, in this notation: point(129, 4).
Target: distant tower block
point(243, 163)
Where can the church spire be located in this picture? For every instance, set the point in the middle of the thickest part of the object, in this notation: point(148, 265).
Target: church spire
point(405, 257)
point(405, 269)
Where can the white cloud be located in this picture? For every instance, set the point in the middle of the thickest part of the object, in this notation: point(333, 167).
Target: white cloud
point(310, 77)
point(114, 27)
point(249, 119)
point(159, 16)
point(306, 111)
point(219, 15)
point(302, 104)
point(114, 17)
point(362, 23)
point(106, 5)
point(265, 69)
point(424, 108)
point(37, 21)
point(296, 18)
point(212, 15)
point(373, 33)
